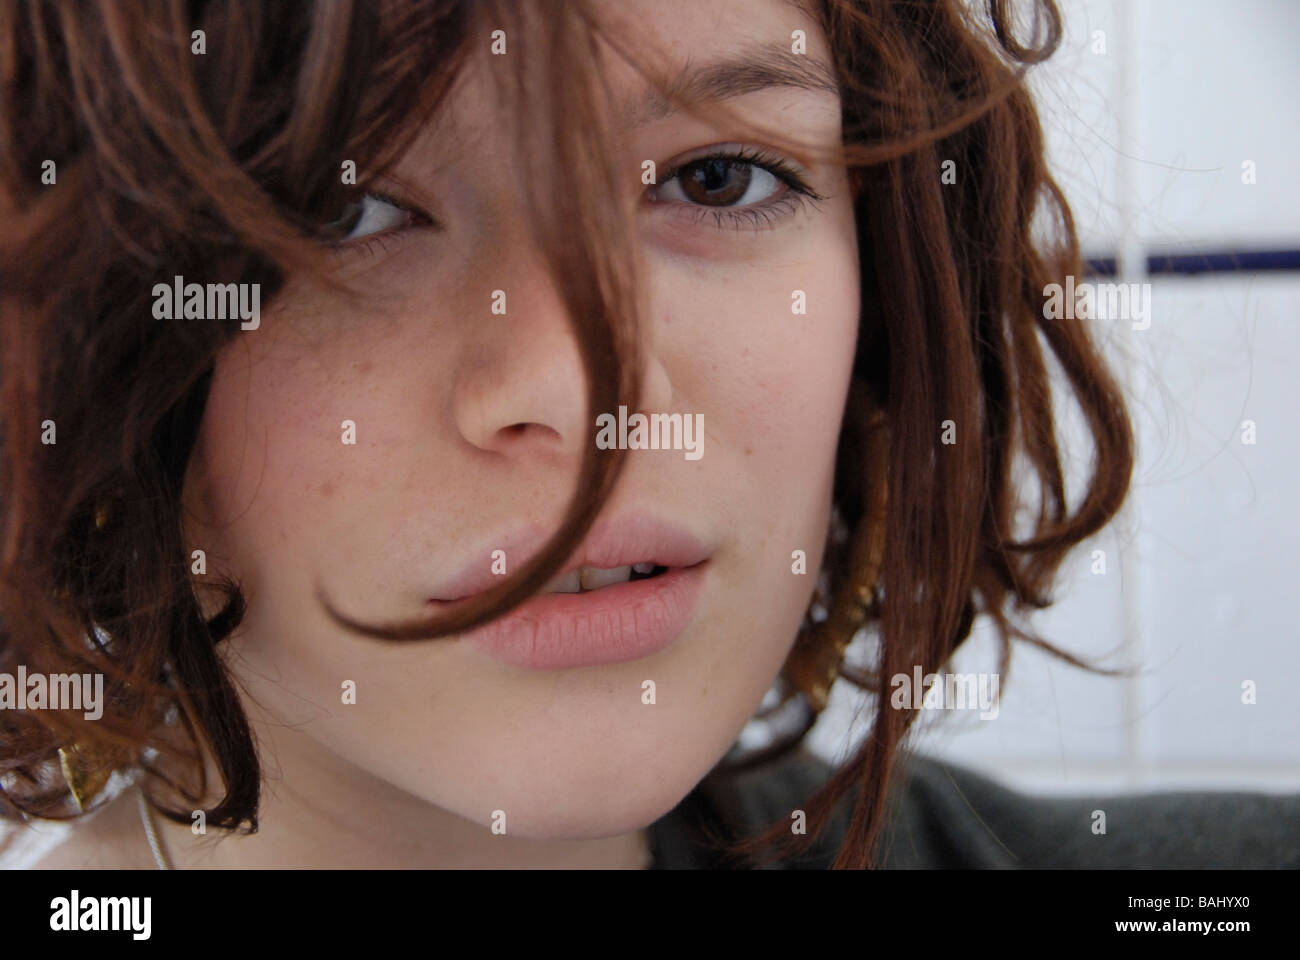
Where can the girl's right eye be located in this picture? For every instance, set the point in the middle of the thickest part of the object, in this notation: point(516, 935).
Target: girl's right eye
point(368, 223)
point(374, 213)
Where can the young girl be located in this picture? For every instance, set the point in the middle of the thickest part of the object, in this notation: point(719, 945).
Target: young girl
point(440, 425)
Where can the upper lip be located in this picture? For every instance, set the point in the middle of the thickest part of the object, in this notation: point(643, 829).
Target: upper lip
point(618, 541)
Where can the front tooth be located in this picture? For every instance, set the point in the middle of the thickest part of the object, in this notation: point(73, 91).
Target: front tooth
point(643, 568)
point(594, 578)
point(564, 583)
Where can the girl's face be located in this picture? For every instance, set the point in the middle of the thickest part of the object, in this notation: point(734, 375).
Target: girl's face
point(470, 426)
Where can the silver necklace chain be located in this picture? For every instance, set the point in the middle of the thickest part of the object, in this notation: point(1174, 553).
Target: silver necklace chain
point(151, 833)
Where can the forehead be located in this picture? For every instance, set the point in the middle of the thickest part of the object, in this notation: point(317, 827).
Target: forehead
point(691, 30)
point(701, 51)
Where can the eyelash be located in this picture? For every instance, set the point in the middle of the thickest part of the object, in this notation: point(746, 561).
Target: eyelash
point(760, 216)
point(365, 246)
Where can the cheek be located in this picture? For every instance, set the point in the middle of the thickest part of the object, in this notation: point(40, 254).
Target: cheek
point(273, 471)
point(770, 356)
point(767, 354)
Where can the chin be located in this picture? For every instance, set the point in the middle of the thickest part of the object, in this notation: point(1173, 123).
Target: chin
point(585, 794)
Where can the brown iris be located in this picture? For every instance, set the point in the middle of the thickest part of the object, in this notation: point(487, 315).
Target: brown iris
point(715, 182)
point(338, 229)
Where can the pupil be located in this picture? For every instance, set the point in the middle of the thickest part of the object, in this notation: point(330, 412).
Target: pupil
point(714, 174)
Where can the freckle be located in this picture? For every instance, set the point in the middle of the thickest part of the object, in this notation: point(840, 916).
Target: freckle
point(327, 489)
point(748, 452)
point(364, 367)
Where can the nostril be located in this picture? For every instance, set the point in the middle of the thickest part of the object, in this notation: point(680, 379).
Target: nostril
point(527, 431)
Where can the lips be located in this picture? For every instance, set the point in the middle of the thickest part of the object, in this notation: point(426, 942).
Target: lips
point(637, 579)
point(623, 540)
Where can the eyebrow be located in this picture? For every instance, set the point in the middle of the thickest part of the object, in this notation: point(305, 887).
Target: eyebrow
point(758, 68)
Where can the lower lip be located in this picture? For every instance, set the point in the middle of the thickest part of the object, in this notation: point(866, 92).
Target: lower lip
point(616, 624)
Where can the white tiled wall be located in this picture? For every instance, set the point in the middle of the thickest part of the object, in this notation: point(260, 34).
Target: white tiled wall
point(1200, 592)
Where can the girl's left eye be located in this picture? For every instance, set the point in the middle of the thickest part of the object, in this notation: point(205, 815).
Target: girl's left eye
point(720, 182)
point(741, 187)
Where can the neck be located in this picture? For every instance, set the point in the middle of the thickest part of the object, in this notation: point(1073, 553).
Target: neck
point(320, 811)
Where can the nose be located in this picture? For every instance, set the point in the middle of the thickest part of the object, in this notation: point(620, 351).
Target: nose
point(521, 385)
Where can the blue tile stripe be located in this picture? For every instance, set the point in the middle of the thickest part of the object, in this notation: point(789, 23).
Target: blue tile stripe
point(1209, 261)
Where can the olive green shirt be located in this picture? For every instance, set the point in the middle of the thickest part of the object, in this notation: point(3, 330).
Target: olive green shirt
point(948, 817)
